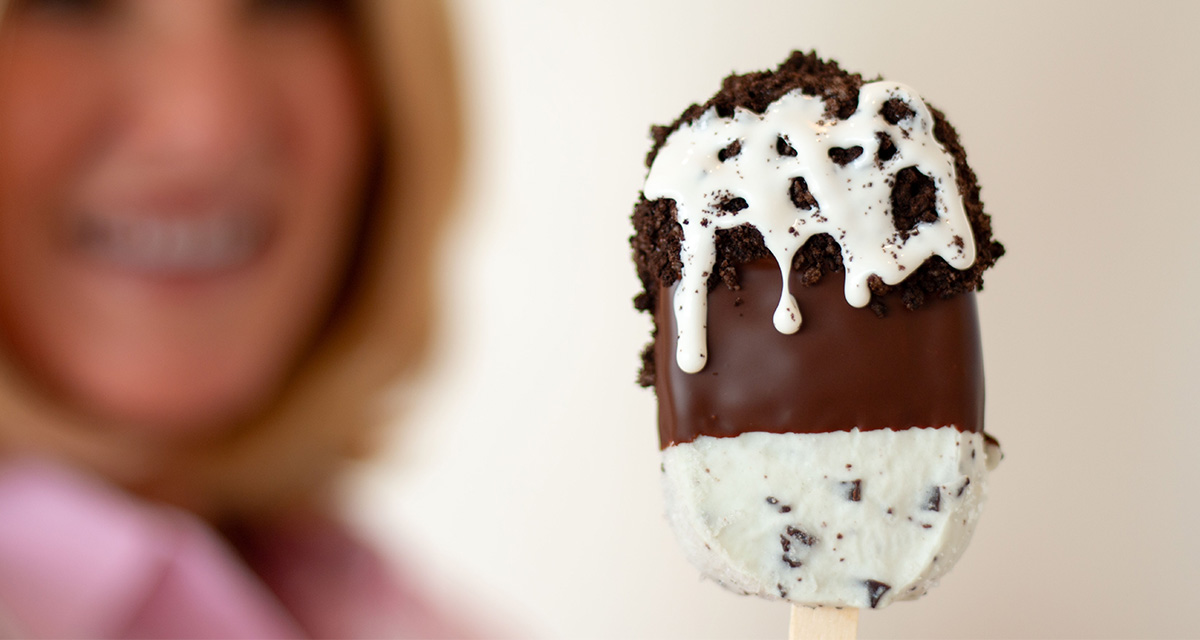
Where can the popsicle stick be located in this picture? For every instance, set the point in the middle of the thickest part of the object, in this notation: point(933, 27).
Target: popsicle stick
point(823, 623)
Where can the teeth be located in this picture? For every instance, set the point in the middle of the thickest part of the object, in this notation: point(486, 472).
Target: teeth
point(172, 245)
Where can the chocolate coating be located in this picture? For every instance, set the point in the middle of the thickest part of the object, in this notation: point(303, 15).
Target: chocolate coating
point(845, 368)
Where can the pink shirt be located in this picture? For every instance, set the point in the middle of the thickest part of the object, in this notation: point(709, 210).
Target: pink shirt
point(81, 559)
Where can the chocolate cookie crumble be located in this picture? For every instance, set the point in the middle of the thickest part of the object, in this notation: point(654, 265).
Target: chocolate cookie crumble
point(658, 235)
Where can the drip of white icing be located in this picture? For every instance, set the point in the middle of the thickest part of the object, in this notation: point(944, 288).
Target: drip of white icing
point(853, 201)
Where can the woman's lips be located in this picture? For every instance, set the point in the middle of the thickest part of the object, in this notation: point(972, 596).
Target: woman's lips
point(169, 244)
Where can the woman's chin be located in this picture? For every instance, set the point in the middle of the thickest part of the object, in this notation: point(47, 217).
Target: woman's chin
point(167, 410)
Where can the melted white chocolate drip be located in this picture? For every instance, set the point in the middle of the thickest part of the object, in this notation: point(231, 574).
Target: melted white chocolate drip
point(853, 201)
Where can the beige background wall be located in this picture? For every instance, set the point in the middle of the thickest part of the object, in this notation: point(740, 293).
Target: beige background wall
point(528, 481)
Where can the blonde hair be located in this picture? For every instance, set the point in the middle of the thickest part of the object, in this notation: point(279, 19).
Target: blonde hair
point(330, 405)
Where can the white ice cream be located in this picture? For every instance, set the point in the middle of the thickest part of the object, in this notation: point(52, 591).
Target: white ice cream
point(847, 518)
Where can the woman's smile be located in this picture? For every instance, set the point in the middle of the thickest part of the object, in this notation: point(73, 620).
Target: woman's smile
point(160, 243)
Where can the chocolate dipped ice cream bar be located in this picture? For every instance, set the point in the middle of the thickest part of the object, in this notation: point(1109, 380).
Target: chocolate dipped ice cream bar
point(810, 245)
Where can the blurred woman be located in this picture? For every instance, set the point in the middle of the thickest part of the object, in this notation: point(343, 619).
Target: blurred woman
point(217, 220)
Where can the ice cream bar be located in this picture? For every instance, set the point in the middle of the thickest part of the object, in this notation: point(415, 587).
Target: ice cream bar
point(810, 245)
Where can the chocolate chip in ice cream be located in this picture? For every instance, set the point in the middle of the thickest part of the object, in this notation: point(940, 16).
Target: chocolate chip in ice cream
point(801, 536)
point(875, 591)
point(934, 500)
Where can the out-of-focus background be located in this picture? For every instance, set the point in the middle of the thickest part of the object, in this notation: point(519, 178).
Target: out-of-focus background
point(527, 478)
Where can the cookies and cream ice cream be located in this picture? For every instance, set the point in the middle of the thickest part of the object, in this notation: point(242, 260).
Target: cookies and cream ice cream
point(810, 245)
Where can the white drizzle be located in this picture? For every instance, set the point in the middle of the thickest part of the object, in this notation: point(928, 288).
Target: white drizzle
point(853, 201)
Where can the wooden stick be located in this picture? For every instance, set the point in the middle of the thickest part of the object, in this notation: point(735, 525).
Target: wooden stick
point(823, 623)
